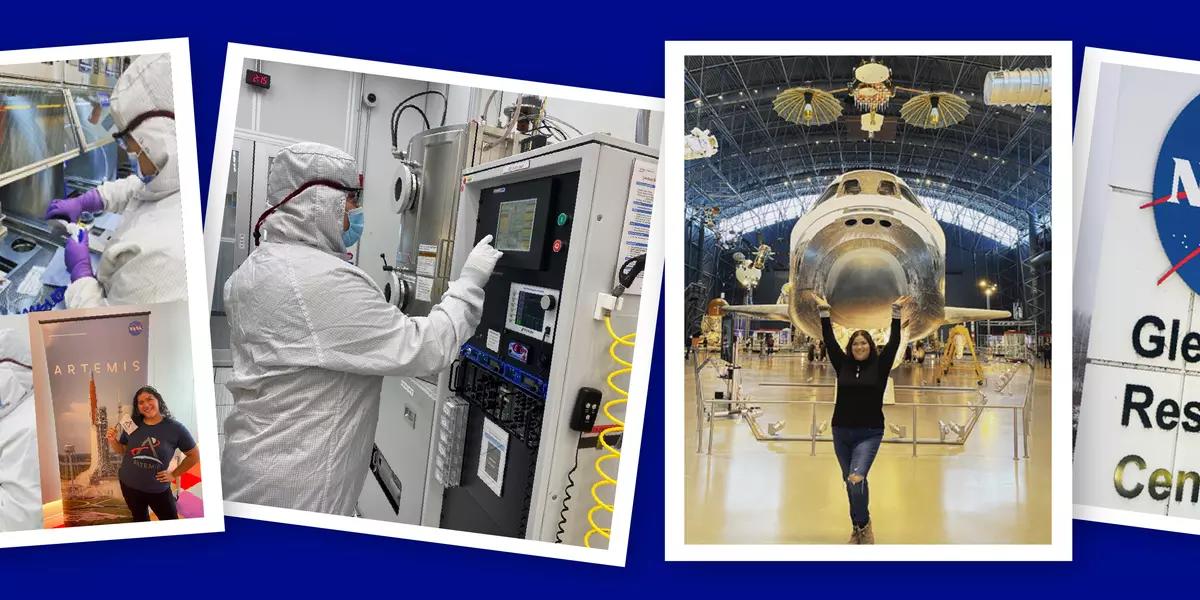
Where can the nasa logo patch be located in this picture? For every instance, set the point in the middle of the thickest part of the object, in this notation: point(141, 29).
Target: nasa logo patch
point(135, 328)
point(1176, 202)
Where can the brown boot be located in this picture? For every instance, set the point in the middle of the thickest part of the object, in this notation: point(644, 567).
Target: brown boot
point(866, 535)
point(855, 535)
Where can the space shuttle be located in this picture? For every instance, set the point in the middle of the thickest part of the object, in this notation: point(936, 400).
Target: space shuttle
point(867, 241)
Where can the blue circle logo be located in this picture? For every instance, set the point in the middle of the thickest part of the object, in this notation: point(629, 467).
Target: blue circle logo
point(1176, 202)
point(136, 328)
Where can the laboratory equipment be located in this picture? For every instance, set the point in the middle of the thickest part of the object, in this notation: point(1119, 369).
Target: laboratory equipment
point(53, 144)
point(425, 194)
point(567, 216)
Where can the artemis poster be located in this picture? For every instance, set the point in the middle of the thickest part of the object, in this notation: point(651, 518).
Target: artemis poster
point(95, 364)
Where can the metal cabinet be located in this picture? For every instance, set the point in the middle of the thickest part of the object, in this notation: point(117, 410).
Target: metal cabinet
point(402, 449)
point(245, 200)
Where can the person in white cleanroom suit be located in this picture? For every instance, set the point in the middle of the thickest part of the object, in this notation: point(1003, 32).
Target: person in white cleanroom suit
point(20, 488)
point(312, 338)
point(143, 262)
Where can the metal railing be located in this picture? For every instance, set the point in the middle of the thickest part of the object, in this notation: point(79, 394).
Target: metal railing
point(1021, 414)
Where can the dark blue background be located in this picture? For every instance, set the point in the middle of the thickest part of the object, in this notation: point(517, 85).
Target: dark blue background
point(608, 45)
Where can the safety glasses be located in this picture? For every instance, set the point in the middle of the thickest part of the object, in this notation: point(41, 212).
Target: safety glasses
point(120, 135)
point(356, 192)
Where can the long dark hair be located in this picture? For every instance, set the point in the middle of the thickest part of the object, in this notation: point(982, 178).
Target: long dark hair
point(850, 344)
point(162, 406)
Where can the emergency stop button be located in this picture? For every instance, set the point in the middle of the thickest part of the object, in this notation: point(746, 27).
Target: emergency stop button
point(558, 245)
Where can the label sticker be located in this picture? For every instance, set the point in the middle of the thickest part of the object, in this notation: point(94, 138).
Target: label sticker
point(407, 388)
point(493, 341)
point(427, 263)
point(635, 234)
point(493, 455)
point(517, 166)
point(424, 289)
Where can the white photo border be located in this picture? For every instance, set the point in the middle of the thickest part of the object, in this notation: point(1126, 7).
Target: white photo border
point(1089, 84)
point(1061, 214)
point(235, 58)
point(197, 299)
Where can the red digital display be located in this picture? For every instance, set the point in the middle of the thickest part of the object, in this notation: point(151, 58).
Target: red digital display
point(258, 79)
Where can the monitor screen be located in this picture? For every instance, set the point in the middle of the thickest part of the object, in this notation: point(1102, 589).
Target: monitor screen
point(514, 225)
point(529, 311)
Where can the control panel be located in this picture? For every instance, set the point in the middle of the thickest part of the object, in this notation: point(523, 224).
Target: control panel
point(532, 311)
point(505, 366)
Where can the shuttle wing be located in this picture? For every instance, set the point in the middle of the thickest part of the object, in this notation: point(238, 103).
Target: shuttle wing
point(772, 312)
point(962, 315)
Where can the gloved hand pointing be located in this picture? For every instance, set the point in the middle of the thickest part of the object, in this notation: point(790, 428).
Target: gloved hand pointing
point(481, 262)
point(68, 209)
point(77, 256)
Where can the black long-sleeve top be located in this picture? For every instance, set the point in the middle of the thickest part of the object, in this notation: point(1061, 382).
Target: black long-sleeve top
point(860, 384)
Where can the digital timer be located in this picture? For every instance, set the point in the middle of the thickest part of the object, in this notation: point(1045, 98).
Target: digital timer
point(258, 79)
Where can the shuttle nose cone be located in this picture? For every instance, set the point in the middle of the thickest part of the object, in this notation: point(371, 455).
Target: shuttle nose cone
point(862, 285)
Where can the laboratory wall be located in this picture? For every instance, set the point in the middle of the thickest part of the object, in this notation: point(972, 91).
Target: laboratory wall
point(305, 103)
point(170, 364)
point(327, 106)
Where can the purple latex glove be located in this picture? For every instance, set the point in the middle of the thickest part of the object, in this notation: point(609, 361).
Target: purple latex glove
point(68, 209)
point(77, 256)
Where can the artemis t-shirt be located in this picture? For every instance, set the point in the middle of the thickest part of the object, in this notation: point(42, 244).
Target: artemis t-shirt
point(148, 450)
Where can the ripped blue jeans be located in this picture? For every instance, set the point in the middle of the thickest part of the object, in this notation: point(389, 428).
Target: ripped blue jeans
point(856, 448)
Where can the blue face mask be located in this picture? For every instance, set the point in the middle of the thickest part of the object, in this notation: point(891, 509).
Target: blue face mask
point(137, 169)
point(350, 236)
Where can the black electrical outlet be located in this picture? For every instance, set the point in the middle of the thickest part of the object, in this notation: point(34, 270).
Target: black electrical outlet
point(587, 406)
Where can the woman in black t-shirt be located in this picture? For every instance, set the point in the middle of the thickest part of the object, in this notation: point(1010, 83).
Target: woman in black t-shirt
point(146, 448)
point(862, 376)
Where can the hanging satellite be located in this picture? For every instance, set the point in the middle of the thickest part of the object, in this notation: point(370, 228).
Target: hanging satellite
point(699, 144)
point(807, 106)
point(934, 110)
point(872, 89)
point(872, 123)
point(1023, 87)
point(873, 86)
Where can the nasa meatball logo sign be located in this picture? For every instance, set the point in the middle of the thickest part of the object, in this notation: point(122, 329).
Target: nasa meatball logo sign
point(1176, 203)
point(136, 328)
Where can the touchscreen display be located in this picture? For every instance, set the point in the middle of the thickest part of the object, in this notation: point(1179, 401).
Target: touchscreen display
point(514, 225)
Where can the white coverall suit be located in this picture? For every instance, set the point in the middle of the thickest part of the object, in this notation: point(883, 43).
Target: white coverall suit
point(312, 339)
point(143, 262)
point(20, 487)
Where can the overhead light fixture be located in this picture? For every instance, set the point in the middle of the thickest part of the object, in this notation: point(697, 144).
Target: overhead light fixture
point(807, 106)
point(934, 110)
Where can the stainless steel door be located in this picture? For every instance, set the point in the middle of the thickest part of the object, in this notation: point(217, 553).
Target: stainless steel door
point(427, 229)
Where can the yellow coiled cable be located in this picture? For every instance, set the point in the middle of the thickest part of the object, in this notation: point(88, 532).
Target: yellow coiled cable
point(610, 452)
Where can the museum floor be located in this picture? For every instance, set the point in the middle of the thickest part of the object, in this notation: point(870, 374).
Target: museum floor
point(755, 492)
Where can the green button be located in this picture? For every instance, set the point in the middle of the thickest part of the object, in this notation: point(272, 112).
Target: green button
point(562, 219)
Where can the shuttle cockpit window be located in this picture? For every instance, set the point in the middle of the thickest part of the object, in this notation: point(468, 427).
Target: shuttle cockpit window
point(887, 187)
point(851, 187)
point(911, 197)
point(829, 193)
